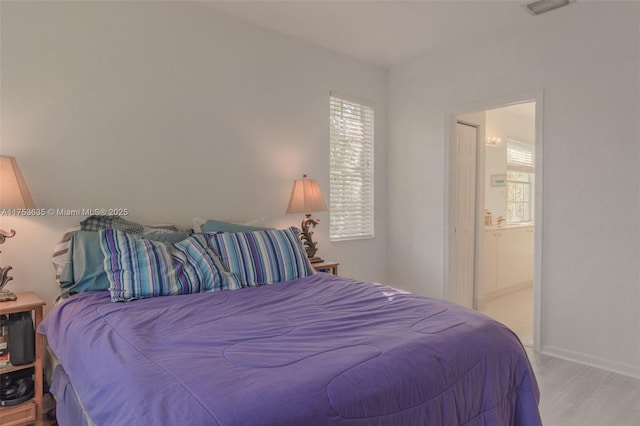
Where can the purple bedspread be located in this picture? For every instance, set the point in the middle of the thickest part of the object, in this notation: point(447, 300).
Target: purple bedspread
point(319, 350)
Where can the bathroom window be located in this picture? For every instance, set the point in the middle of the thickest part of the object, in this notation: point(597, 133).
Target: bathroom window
point(520, 173)
point(519, 196)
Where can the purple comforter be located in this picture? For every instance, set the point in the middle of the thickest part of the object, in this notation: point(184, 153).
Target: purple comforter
point(319, 350)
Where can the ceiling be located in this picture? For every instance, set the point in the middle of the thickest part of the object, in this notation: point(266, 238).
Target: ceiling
point(525, 110)
point(392, 31)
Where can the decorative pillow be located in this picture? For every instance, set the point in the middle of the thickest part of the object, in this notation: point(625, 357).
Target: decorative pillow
point(88, 263)
point(262, 257)
point(166, 237)
point(218, 226)
point(159, 229)
point(84, 270)
point(97, 223)
point(139, 268)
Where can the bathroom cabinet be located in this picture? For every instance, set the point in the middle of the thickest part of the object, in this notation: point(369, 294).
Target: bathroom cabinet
point(508, 259)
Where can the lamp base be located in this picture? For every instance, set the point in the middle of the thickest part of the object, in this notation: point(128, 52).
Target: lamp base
point(316, 259)
point(7, 296)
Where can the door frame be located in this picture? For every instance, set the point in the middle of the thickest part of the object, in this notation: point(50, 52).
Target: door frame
point(453, 277)
point(452, 115)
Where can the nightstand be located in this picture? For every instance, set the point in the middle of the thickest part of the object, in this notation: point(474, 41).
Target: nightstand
point(326, 266)
point(29, 411)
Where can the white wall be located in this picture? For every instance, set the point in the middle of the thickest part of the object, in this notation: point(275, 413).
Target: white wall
point(171, 110)
point(589, 71)
point(495, 196)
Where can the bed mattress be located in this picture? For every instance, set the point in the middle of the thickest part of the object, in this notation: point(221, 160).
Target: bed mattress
point(317, 350)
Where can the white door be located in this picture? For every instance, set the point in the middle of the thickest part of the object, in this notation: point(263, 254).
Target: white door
point(465, 213)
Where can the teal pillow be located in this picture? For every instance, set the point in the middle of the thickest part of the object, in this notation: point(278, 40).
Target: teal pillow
point(218, 226)
point(87, 260)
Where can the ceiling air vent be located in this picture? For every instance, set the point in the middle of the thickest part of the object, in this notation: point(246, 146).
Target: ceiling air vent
point(542, 6)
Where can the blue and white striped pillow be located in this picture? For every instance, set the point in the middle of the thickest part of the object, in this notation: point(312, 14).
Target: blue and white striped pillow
point(139, 268)
point(262, 257)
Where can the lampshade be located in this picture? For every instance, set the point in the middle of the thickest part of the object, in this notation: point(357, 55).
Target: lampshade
point(14, 193)
point(306, 197)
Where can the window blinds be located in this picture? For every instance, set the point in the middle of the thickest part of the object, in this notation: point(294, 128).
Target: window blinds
point(351, 212)
point(520, 156)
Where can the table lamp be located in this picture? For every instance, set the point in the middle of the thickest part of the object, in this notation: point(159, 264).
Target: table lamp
point(14, 194)
point(307, 198)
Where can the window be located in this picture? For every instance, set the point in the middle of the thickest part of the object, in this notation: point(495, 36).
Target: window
point(351, 176)
point(520, 173)
point(518, 197)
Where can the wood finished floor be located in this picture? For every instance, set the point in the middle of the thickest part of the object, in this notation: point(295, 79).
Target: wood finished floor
point(571, 394)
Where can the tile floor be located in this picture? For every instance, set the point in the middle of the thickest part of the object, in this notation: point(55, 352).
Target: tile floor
point(515, 310)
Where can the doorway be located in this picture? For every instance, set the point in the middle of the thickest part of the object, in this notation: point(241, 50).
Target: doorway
point(505, 277)
point(505, 290)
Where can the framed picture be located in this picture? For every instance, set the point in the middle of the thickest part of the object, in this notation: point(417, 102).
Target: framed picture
point(498, 180)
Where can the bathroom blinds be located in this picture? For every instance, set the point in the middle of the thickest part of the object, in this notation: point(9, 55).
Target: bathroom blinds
point(520, 156)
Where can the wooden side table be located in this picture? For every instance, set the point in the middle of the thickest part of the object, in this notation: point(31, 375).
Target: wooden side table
point(326, 266)
point(29, 411)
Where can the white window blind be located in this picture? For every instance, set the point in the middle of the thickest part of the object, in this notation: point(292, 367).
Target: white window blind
point(520, 156)
point(351, 169)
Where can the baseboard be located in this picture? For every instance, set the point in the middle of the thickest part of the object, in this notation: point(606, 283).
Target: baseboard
point(592, 361)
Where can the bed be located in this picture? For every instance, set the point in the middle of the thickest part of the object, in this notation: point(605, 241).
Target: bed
point(319, 349)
